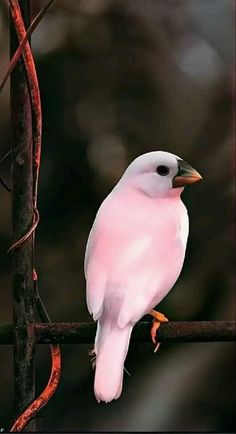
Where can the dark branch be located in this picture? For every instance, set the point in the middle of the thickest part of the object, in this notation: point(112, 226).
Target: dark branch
point(22, 216)
point(84, 333)
point(5, 185)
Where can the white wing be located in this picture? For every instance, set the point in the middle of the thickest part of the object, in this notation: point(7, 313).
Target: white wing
point(95, 275)
point(133, 258)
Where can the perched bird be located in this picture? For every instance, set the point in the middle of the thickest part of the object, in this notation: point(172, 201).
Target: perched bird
point(134, 255)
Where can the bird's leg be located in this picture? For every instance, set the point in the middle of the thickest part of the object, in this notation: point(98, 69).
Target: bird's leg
point(158, 319)
point(93, 357)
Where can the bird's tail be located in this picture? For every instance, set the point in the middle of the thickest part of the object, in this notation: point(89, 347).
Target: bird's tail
point(111, 346)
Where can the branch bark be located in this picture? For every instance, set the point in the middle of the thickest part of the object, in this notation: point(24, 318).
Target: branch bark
point(84, 333)
point(22, 217)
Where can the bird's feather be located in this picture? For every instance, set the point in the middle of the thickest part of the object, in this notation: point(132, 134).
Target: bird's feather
point(121, 252)
point(134, 255)
point(111, 346)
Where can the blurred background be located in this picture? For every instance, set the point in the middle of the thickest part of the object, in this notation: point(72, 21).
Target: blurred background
point(119, 78)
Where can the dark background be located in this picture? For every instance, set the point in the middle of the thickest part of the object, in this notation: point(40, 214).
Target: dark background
point(117, 79)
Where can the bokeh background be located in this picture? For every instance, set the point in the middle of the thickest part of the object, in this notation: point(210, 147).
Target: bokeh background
point(119, 78)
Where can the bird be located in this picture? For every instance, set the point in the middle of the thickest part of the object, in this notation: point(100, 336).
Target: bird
point(134, 255)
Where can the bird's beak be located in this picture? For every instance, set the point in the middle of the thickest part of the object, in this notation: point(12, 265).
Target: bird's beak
point(186, 175)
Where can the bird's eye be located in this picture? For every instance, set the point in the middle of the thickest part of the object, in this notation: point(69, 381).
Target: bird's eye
point(163, 170)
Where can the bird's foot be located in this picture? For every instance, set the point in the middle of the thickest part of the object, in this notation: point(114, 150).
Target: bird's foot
point(158, 319)
point(92, 354)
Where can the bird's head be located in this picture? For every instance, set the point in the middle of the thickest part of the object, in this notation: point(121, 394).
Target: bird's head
point(160, 174)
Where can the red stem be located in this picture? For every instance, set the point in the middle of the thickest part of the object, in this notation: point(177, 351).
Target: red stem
point(51, 387)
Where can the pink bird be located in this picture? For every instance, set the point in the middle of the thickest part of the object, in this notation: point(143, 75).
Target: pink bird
point(134, 255)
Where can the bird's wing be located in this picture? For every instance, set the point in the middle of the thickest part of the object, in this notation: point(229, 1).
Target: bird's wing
point(112, 252)
point(152, 272)
point(131, 265)
point(147, 280)
point(95, 275)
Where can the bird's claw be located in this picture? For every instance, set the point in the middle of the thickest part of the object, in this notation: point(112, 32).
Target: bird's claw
point(158, 319)
point(155, 326)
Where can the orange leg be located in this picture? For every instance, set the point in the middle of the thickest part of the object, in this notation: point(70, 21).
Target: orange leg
point(158, 319)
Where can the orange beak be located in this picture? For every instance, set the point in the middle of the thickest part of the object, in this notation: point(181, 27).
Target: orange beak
point(186, 175)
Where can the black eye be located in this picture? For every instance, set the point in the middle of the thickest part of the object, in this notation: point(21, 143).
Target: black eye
point(163, 170)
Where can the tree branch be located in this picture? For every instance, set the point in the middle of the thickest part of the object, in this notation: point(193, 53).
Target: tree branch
point(84, 333)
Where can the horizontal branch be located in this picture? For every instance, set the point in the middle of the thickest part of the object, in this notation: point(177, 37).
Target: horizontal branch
point(84, 333)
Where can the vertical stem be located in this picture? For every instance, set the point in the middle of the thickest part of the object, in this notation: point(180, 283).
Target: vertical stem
point(22, 216)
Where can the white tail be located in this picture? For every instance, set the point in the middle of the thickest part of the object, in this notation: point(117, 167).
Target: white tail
point(111, 346)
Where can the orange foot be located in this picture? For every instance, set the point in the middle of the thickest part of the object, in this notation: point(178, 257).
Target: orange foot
point(158, 319)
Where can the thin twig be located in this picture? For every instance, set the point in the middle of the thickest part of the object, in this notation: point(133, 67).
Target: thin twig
point(5, 156)
point(1, 180)
point(5, 185)
point(34, 92)
point(19, 50)
point(28, 233)
point(32, 410)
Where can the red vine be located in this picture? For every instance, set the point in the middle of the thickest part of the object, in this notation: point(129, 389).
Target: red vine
point(24, 46)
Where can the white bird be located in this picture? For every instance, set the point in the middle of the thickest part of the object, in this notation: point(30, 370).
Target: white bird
point(134, 255)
